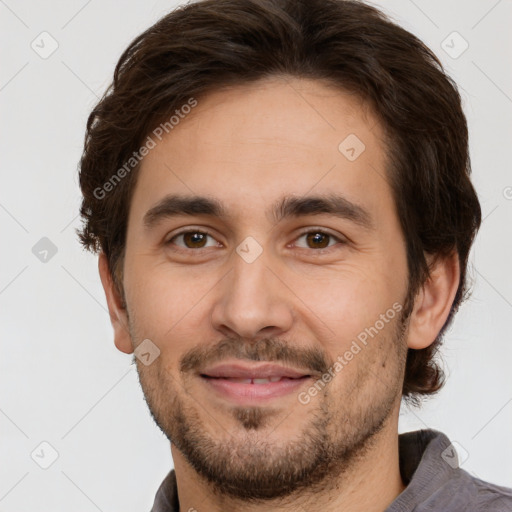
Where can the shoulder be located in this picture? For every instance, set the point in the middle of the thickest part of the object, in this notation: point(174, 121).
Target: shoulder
point(491, 497)
point(466, 492)
point(435, 481)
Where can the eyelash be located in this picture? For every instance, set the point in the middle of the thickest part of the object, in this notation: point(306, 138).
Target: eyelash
point(303, 233)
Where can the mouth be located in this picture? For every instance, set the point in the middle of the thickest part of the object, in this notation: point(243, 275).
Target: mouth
point(254, 383)
point(254, 380)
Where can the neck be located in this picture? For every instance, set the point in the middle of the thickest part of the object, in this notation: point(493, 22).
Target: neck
point(371, 484)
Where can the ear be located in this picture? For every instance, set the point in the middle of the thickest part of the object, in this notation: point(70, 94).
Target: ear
point(118, 315)
point(434, 301)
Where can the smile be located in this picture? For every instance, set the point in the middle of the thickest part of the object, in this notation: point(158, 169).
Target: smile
point(253, 383)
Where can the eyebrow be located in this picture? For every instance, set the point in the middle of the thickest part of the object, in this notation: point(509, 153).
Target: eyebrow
point(286, 207)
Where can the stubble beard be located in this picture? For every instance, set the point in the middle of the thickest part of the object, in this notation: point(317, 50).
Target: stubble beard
point(249, 468)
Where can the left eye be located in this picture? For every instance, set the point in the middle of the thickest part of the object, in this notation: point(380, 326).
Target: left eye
point(319, 239)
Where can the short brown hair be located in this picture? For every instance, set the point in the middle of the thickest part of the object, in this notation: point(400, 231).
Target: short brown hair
point(204, 46)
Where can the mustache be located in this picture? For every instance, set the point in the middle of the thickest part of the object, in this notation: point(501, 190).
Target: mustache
point(268, 349)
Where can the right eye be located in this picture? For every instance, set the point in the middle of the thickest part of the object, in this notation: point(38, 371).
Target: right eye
point(191, 239)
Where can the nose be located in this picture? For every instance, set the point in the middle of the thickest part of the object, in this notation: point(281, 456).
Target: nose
point(252, 301)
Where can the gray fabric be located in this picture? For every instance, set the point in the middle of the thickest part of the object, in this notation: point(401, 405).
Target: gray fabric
point(429, 468)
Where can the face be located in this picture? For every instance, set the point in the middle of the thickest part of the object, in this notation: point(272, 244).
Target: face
point(276, 300)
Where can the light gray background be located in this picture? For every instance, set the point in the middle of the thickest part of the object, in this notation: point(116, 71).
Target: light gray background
point(62, 379)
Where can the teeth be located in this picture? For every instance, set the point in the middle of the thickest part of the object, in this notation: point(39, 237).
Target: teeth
point(255, 381)
point(260, 381)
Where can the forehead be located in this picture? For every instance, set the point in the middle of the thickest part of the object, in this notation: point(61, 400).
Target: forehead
point(277, 113)
point(251, 143)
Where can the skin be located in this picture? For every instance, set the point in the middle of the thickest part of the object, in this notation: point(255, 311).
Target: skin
point(247, 147)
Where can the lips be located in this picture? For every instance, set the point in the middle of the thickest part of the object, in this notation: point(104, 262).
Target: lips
point(264, 372)
point(253, 380)
point(247, 384)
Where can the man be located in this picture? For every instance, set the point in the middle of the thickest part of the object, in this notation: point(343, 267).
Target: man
point(279, 191)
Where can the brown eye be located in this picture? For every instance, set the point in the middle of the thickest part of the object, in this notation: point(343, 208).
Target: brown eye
point(318, 240)
point(191, 240)
point(194, 240)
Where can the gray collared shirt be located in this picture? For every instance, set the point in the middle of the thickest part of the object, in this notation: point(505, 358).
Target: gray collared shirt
point(429, 468)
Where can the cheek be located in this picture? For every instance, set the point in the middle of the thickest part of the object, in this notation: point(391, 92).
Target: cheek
point(166, 303)
point(352, 300)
